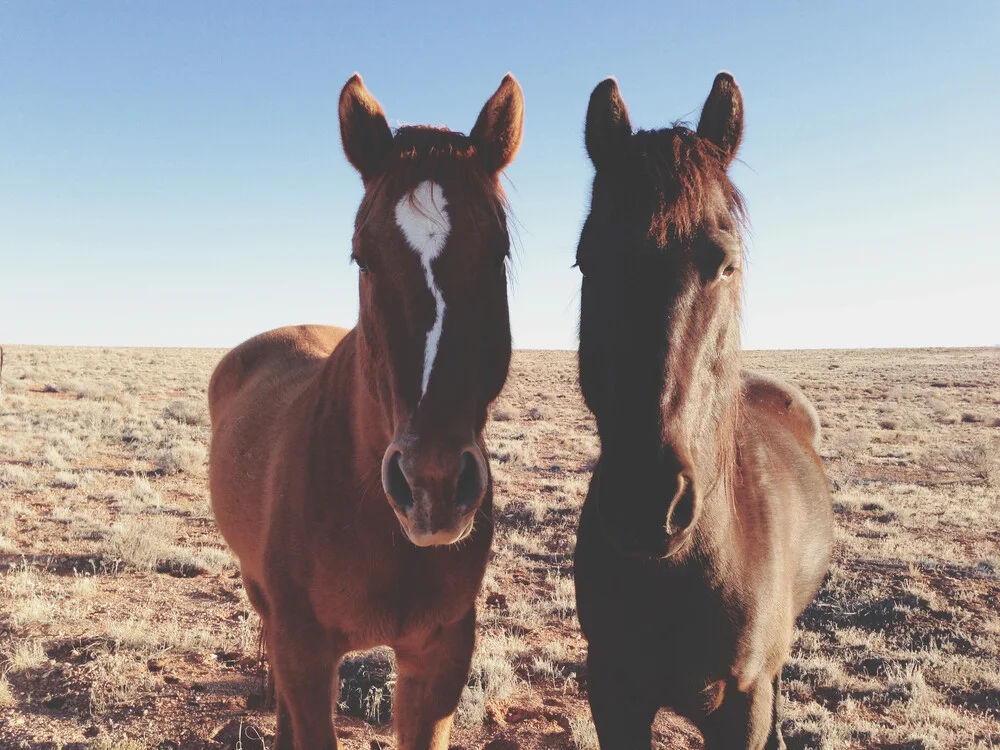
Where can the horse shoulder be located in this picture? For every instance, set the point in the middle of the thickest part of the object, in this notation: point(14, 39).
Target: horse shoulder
point(778, 399)
point(251, 397)
point(271, 354)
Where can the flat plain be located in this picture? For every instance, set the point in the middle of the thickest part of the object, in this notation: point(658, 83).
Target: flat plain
point(123, 623)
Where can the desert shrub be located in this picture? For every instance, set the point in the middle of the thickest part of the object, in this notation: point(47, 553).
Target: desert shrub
point(584, 734)
point(540, 413)
point(503, 413)
point(189, 411)
point(366, 684)
point(185, 456)
point(140, 545)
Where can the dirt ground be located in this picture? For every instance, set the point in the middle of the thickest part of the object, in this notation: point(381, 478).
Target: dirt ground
point(123, 623)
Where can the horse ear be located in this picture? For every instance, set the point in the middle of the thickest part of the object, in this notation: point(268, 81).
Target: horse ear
point(363, 130)
point(608, 128)
point(497, 132)
point(722, 116)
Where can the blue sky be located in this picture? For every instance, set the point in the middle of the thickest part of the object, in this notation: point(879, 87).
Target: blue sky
point(171, 172)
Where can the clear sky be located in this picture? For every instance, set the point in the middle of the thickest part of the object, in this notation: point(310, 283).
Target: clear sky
point(171, 172)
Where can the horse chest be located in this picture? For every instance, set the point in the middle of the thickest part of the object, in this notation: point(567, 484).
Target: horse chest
point(382, 595)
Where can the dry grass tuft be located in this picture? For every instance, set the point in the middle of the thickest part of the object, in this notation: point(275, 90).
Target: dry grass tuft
point(185, 456)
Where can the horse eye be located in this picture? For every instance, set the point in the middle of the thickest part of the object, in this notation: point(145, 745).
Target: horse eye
point(359, 263)
point(728, 271)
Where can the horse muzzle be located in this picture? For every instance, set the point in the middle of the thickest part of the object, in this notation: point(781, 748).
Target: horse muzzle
point(435, 494)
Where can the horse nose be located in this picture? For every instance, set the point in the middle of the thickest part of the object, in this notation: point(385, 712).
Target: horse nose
point(402, 479)
point(472, 478)
point(394, 479)
point(434, 492)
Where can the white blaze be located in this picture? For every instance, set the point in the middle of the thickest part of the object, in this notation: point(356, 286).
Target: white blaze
point(421, 216)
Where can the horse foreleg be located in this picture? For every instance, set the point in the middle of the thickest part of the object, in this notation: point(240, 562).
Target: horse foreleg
point(431, 676)
point(622, 717)
point(303, 659)
point(776, 741)
point(745, 720)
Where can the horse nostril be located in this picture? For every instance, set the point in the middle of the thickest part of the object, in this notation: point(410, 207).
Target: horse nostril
point(395, 484)
point(680, 514)
point(470, 488)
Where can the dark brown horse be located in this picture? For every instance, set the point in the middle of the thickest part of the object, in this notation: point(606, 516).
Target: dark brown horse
point(348, 470)
point(708, 524)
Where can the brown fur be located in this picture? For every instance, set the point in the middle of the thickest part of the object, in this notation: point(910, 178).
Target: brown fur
point(708, 524)
point(306, 419)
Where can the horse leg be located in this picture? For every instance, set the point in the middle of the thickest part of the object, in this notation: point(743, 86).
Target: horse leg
point(623, 719)
point(303, 659)
point(744, 720)
point(776, 741)
point(431, 676)
point(259, 602)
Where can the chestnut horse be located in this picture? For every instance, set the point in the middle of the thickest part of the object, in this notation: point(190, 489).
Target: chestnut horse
point(708, 525)
point(348, 470)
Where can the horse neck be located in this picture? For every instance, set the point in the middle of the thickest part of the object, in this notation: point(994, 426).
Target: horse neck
point(718, 465)
point(349, 407)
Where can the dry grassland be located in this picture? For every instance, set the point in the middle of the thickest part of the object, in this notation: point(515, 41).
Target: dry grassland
point(123, 623)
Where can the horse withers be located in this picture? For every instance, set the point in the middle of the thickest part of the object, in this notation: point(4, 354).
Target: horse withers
point(348, 470)
point(708, 525)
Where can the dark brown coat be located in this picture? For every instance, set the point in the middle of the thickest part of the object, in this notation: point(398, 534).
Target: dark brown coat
point(708, 524)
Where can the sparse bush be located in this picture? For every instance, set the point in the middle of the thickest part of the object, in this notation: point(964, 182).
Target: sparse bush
point(471, 707)
point(7, 699)
point(10, 448)
point(366, 685)
point(22, 655)
point(981, 459)
point(16, 477)
point(188, 412)
point(850, 444)
point(584, 734)
point(492, 667)
point(54, 458)
point(184, 456)
point(118, 679)
point(514, 452)
point(540, 413)
point(69, 480)
point(139, 498)
point(140, 545)
point(524, 514)
point(503, 413)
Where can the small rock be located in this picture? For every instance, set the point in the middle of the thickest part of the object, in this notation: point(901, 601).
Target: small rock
point(515, 715)
point(55, 701)
point(502, 744)
point(496, 601)
point(561, 721)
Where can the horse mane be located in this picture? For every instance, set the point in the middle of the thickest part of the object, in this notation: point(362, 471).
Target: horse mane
point(684, 174)
point(683, 171)
point(423, 152)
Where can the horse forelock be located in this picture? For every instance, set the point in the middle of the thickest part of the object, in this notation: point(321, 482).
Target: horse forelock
point(687, 175)
point(421, 153)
